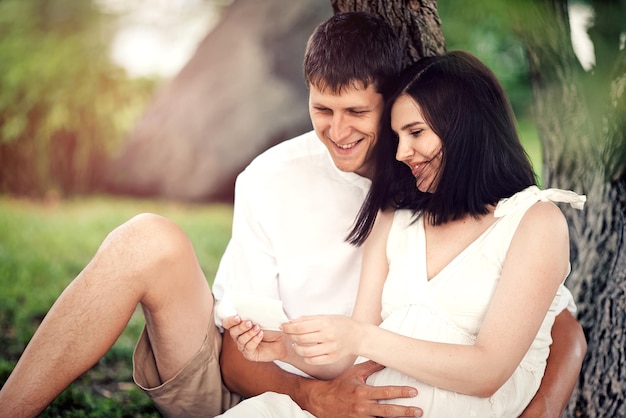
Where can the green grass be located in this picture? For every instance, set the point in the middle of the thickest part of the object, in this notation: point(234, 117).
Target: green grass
point(44, 246)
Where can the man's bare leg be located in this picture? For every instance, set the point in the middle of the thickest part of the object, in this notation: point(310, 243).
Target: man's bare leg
point(147, 260)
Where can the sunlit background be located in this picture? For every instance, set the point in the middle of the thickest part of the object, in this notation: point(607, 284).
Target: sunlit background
point(79, 80)
point(156, 38)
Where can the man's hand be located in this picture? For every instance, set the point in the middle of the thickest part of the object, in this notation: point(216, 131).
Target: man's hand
point(349, 396)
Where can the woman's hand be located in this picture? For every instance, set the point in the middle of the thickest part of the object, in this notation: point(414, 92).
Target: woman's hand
point(324, 339)
point(254, 343)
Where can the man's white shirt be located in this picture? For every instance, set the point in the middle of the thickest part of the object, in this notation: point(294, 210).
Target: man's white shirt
point(293, 210)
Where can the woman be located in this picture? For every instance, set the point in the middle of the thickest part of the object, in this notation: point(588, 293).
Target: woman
point(464, 259)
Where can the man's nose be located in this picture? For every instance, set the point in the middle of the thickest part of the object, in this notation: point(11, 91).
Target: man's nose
point(339, 128)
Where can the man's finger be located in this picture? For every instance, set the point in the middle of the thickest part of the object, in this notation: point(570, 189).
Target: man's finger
point(392, 392)
point(365, 369)
point(389, 410)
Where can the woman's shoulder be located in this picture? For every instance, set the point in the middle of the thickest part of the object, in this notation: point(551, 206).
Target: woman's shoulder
point(545, 214)
point(384, 219)
point(404, 217)
point(545, 222)
point(390, 220)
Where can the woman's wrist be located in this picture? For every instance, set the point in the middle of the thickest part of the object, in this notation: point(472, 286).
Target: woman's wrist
point(362, 339)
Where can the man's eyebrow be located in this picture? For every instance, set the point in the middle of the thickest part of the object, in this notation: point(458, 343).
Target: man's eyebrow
point(360, 108)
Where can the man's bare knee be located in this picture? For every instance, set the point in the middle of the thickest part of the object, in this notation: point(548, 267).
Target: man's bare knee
point(152, 238)
point(147, 252)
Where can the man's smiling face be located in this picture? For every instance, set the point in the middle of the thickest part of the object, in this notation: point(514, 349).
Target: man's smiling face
point(347, 123)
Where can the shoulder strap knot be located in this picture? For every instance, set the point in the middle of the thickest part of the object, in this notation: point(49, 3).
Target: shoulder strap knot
point(532, 194)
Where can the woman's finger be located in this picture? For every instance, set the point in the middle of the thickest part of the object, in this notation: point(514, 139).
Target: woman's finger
point(239, 329)
point(244, 338)
point(231, 321)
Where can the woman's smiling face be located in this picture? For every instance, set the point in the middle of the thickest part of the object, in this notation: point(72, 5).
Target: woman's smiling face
point(418, 145)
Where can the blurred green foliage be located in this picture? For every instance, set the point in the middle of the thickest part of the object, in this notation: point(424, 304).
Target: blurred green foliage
point(484, 29)
point(43, 247)
point(63, 105)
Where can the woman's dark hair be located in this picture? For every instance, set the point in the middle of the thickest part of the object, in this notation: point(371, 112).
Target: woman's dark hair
point(349, 48)
point(483, 160)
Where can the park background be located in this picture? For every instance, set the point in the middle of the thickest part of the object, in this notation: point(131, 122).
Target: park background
point(110, 108)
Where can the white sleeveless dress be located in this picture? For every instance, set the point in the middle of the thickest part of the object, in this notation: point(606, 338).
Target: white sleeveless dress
point(449, 308)
point(452, 305)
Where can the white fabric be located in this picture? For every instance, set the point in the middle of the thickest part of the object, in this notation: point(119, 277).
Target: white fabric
point(267, 405)
point(448, 308)
point(452, 305)
point(293, 210)
point(534, 193)
point(265, 312)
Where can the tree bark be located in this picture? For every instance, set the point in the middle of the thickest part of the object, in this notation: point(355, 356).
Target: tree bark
point(416, 23)
point(580, 117)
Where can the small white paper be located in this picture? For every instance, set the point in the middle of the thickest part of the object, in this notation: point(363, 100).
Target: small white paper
point(266, 312)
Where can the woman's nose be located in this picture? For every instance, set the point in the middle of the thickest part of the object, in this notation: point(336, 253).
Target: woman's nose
point(404, 151)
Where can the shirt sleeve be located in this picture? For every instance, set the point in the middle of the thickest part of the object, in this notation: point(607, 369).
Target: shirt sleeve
point(249, 263)
point(566, 301)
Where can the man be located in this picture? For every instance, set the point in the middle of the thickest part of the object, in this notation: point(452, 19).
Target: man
point(293, 209)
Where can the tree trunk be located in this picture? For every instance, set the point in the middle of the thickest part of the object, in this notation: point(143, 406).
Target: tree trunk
point(416, 22)
point(581, 121)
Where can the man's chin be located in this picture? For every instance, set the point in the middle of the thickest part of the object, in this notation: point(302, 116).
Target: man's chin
point(359, 169)
point(345, 167)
